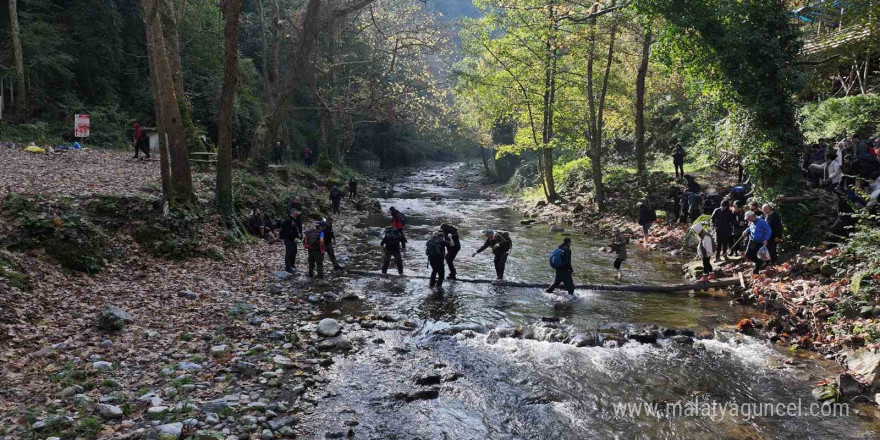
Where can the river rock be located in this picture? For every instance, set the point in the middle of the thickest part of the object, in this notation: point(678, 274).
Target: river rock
point(825, 392)
point(492, 337)
point(848, 386)
point(54, 422)
point(329, 327)
point(170, 431)
point(556, 228)
point(189, 366)
point(113, 318)
point(102, 365)
point(109, 411)
point(246, 369)
point(865, 364)
point(188, 294)
point(219, 351)
point(71, 391)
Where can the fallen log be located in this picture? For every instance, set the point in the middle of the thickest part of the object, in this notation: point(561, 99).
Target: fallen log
point(724, 282)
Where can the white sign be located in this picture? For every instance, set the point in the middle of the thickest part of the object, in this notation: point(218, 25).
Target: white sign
point(81, 126)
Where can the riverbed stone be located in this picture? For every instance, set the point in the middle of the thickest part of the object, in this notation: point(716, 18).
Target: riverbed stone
point(329, 327)
point(848, 386)
point(865, 364)
point(102, 365)
point(113, 318)
point(109, 411)
point(170, 431)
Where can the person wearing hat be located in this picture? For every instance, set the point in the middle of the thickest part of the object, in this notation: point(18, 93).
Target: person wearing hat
point(647, 217)
point(290, 233)
point(314, 244)
point(705, 249)
point(759, 233)
point(501, 245)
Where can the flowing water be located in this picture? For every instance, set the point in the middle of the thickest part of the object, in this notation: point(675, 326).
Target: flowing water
point(535, 389)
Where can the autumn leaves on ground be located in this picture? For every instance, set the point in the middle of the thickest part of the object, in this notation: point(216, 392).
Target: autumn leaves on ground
point(194, 336)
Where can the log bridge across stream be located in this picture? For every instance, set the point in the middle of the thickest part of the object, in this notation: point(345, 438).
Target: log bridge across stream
point(724, 282)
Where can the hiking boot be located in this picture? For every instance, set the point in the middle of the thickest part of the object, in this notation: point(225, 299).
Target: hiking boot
point(337, 267)
point(550, 290)
point(431, 284)
point(451, 277)
point(711, 277)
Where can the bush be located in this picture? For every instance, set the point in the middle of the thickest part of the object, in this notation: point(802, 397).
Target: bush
point(576, 176)
point(833, 117)
point(177, 236)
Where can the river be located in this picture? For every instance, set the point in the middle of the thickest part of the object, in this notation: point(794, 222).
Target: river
point(516, 388)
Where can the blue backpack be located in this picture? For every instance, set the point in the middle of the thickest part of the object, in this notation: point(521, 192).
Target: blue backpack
point(556, 259)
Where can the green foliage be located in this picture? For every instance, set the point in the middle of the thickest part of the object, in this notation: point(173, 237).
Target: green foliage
point(835, 117)
point(89, 427)
point(177, 236)
point(576, 175)
point(59, 227)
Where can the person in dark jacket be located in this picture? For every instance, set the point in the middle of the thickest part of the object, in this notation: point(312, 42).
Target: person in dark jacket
point(435, 249)
point(290, 233)
point(618, 246)
point(329, 241)
point(678, 161)
point(313, 242)
point(776, 231)
point(398, 222)
point(141, 141)
point(723, 221)
point(257, 224)
point(739, 225)
point(684, 206)
point(278, 153)
point(565, 272)
point(501, 245)
point(692, 185)
point(647, 217)
point(296, 205)
point(352, 188)
point(335, 198)
point(451, 233)
point(391, 244)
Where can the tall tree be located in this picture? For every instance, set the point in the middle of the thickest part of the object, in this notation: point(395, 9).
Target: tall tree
point(164, 165)
point(596, 103)
point(15, 32)
point(640, 104)
point(225, 201)
point(181, 175)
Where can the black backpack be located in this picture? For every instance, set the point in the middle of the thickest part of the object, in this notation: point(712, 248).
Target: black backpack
point(312, 239)
point(435, 248)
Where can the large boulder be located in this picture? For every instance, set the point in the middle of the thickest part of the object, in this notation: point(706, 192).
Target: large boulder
point(865, 364)
point(170, 431)
point(113, 318)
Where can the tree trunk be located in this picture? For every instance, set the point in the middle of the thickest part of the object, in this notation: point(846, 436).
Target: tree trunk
point(181, 176)
point(170, 23)
point(597, 111)
point(548, 109)
point(160, 121)
point(15, 32)
point(225, 202)
point(640, 107)
point(485, 158)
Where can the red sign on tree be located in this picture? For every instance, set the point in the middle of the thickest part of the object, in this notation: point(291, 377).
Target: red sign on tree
point(81, 126)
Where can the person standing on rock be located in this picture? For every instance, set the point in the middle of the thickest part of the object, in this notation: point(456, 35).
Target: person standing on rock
point(352, 188)
point(435, 249)
point(560, 260)
point(705, 249)
point(451, 233)
point(647, 217)
point(618, 246)
point(391, 249)
point(329, 242)
point(724, 221)
point(776, 231)
point(335, 198)
point(501, 246)
point(313, 241)
point(290, 233)
point(759, 235)
point(678, 161)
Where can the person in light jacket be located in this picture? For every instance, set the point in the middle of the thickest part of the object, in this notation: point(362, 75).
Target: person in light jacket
point(705, 249)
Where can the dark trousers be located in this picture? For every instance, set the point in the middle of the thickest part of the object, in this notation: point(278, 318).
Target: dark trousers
point(331, 254)
point(450, 259)
point(336, 203)
point(707, 266)
point(771, 246)
point(500, 262)
point(563, 277)
point(142, 145)
point(289, 254)
point(386, 261)
point(617, 263)
point(352, 193)
point(316, 258)
point(437, 270)
point(679, 169)
point(752, 254)
point(723, 240)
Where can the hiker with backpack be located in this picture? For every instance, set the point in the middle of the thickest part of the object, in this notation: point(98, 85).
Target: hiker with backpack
point(501, 245)
point(390, 244)
point(435, 249)
point(647, 217)
point(290, 233)
point(451, 233)
point(695, 206)
point(618, 246)
point(560, 260)
point(692, 185)
point(335, 198)
point(329, 241)
point(313, 241)
point(724, 222)
point(705, 249)
point(398, 222)
point(352, 188)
